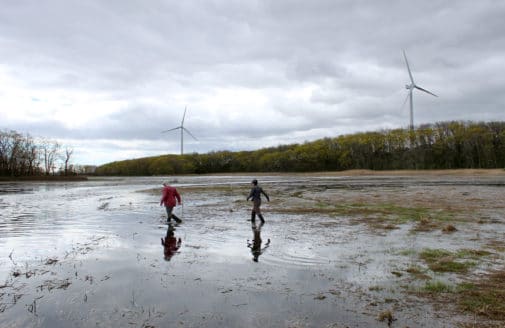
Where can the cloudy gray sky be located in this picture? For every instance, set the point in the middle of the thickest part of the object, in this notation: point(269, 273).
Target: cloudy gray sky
point(106, 77)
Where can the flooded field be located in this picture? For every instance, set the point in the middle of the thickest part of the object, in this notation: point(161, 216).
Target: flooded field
point(335, 251)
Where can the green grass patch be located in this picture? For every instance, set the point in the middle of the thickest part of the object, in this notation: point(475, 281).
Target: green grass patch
point(452, 266)
point(437, 287)
point(465, 286)
point(441, 260)
point(472, 253)
point(432, 255)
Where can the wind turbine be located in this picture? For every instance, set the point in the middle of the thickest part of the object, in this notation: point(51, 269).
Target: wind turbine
point(411, 88)
point(182, 128)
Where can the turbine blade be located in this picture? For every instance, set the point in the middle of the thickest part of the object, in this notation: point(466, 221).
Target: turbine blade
point(405, 101)
point(189, 133)
point(171, 129)
point(419, 88)
point(408, 67)
point(183, 116)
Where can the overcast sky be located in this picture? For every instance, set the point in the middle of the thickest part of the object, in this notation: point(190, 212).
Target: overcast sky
point(106, 77)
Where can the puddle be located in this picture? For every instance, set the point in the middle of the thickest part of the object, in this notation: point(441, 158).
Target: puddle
point(334, 251)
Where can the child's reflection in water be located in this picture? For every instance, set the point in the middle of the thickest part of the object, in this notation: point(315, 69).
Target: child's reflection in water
point(255, 244)
point(170, 243)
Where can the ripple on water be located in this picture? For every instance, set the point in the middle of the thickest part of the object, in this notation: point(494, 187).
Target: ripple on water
point(284, 259)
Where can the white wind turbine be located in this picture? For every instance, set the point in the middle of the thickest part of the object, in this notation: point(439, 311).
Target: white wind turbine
point(411, 88)
point(182, 128)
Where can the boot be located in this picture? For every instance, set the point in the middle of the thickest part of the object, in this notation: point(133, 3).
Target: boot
point(253, 216)
point(176, 218)
point(261, 218)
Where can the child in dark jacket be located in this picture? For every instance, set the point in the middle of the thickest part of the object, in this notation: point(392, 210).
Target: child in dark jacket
point(255, 195)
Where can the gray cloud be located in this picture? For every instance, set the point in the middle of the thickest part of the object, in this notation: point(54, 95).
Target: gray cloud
point(114, 74)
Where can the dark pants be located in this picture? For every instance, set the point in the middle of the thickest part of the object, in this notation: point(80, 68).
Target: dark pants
point(256, 206)
point(169, 209)
point(170, 214)
point(256, 210)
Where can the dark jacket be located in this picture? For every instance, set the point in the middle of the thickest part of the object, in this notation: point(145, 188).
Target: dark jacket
point(256, 192)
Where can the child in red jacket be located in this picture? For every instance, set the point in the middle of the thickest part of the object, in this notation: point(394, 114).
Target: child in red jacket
point(169, 198)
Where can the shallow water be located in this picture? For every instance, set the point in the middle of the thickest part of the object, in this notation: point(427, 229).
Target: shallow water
point(84, 254)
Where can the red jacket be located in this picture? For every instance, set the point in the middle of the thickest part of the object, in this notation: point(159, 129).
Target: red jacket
point(169, 197)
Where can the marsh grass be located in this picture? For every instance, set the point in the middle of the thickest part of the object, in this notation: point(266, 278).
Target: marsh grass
point(485, 296)
point(384, 215)
point(472, 253)
point(437, 287)
point(449, 265)
point(440, 260)
point(386, 316)
point(449, 228)
point(465, 286)
point(425, 223)
point(297, 194)
point(375, 288)
point(497, 245)
point(418, 272)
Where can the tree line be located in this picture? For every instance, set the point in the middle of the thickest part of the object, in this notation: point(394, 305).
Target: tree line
point(26, 156)
point(443, 145)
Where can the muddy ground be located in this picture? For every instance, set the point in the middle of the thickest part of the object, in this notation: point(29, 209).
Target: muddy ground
point(355, 249)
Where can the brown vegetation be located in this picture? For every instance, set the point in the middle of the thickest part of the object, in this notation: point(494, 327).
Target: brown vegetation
point(486, 297)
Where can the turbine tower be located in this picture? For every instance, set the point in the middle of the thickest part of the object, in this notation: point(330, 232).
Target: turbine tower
point(182, 128)
point(411, 88)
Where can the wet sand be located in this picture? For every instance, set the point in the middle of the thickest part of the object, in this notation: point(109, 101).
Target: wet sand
point(336, 251)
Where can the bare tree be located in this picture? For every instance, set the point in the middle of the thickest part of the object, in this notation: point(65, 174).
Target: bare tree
point(49, 152)
point(68, 154)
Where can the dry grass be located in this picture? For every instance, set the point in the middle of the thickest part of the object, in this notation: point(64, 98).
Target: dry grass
point(449, 229)
point(418, 273)
point(386, 316)
point(483, 298)
point(497, 245)
point(426, 223)
point(487, 297)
